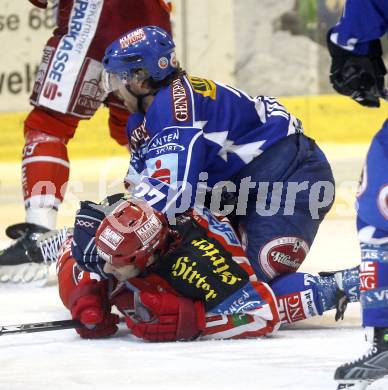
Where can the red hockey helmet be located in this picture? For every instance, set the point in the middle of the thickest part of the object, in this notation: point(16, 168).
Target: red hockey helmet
point(131, 234)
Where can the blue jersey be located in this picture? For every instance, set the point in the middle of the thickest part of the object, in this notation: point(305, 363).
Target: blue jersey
point(196, 125)
point(372, 199)
point(362, 21)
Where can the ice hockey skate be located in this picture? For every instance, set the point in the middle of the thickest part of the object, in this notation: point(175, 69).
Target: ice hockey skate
point(373, 365)
point(27, 260)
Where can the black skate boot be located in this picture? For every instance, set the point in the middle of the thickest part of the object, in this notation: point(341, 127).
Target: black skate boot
point(22, 261)
point(373, 365)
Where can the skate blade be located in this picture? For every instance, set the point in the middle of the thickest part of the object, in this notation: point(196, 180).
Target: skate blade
point(31, 274)
point(353, 384)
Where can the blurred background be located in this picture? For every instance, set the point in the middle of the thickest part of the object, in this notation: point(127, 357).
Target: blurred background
point(265, 47)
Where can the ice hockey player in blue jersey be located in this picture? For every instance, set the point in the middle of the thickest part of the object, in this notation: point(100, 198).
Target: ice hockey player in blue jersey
point(193, 136)
point(358, 71)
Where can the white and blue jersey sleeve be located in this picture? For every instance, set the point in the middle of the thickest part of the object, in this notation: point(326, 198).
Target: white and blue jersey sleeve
point(362, 21)
point(196, 125)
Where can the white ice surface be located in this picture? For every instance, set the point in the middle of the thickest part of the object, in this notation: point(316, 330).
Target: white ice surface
point(302, 358)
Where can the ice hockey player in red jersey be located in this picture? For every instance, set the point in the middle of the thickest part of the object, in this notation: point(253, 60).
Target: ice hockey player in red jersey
point(67, 91)
point(171, 284)
point(123, 253)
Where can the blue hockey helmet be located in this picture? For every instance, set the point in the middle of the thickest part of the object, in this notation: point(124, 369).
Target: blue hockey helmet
point(149, 48)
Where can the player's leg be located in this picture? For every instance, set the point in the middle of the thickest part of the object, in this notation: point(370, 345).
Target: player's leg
point(282, 219)
point(302, 295)
point(278, 242)
point(59, 106)
point(373, 235)
point(45, 173)
point(45, 164)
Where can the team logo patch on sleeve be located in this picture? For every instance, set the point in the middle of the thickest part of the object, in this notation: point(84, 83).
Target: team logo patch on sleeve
point(282, 255)
point(204, 87)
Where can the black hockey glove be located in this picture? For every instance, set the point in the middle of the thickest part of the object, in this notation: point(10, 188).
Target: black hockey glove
point(83, 247)
point(87, 221)
point(360, 77)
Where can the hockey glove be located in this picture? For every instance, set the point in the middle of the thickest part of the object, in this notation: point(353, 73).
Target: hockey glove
point(166, 317)
point(360, 77)
point(90, 307)
point(83, 247)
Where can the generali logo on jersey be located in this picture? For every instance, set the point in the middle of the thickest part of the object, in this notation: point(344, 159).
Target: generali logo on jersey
point(180, 101)
point(111, 238)
point(149, 230)
point(132, 38)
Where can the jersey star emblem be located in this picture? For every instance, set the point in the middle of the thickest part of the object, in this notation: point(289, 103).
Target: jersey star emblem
point(246, 152)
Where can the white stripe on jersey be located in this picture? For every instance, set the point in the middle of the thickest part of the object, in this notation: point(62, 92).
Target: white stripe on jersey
point(55, 160)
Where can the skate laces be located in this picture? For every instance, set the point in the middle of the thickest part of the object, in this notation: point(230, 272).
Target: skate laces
point(50, 243)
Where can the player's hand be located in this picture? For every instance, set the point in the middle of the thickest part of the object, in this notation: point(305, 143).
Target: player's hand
point(360, 77)
point(98, 321)
point(166, 317)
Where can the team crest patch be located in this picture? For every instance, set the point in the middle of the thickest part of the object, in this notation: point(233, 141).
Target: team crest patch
point(282, 255)
point(204, 87)
point(111, 238)
point(163, 63)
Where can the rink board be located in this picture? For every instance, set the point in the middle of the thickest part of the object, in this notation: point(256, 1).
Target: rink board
point(326, 118)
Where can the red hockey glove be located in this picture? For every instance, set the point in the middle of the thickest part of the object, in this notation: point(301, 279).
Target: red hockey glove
point(166, 317)
point(99, 322)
